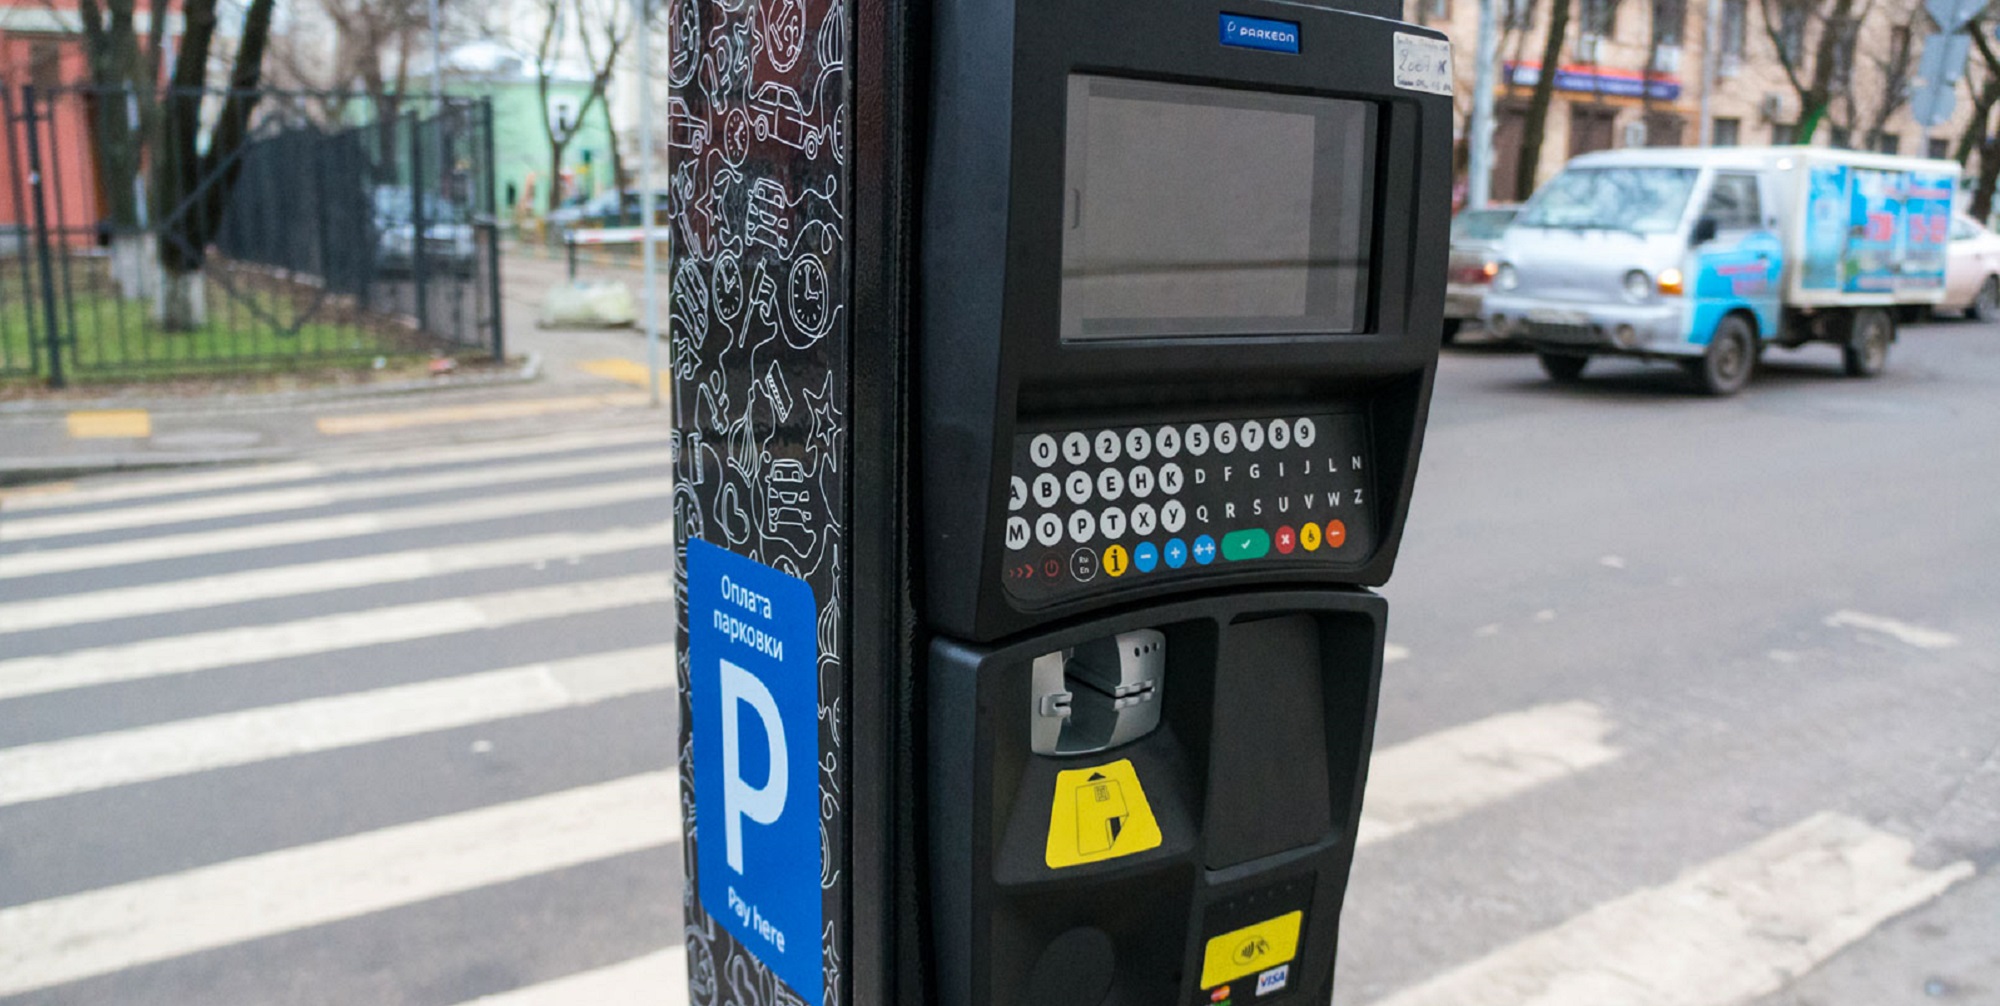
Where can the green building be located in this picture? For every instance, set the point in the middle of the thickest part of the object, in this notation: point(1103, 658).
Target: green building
point(520, 137)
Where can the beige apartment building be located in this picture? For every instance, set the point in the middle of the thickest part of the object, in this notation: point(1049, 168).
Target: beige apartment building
point(1632, 74)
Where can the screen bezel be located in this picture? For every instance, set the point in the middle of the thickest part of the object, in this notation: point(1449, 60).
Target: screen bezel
point(1339, 273)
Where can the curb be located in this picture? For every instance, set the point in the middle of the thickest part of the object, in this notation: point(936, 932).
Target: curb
point(18, 471)
point(529, 371)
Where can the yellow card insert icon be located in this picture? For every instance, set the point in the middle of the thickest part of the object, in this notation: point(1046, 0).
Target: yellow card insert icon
point(1099, 813)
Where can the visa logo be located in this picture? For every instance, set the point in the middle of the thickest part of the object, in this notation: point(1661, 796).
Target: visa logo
point(1260, 33)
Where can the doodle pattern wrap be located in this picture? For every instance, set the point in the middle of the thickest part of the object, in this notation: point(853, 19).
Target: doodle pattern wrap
point(757, 194)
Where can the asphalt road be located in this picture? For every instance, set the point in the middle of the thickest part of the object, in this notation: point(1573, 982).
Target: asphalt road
point(1691, 702)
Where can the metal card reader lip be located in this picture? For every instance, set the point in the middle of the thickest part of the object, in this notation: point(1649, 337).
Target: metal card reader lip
point(1098, 695)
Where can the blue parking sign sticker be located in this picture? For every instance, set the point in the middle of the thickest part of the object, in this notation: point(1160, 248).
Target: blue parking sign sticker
point(753, 685)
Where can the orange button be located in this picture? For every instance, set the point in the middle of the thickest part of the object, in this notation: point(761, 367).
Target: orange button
point(1309, 537)
point(1336, 534)
point(1117, 560)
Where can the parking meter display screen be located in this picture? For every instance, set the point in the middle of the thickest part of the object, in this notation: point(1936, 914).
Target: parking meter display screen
point(1205, 211)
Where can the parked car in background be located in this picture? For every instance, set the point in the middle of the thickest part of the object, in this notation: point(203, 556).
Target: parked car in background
point(606, 209)
point(449, 240)
point(1475, 235)
point(1972, 271)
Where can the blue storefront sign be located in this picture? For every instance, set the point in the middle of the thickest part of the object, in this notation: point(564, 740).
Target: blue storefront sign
point(753, 653)
point(1599, 80)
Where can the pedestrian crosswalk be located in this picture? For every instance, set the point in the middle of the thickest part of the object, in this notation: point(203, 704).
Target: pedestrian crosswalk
point(251, 721)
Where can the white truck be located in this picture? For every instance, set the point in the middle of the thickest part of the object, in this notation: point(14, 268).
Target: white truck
point(1705, 256)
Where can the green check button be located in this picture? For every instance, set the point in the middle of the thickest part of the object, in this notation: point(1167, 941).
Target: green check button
point(1252, 544)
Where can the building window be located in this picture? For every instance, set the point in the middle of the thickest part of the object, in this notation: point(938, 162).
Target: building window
point(1843, 57)
point(1841, 138)
point(1792, 33)
point(1520, 14)
point(1433, 11)
point(1937, 148)
point(1783, 133)
point(44, 66)
point(1735, 34)
point(1669, 18)
point(1888, 143)
point(1728, 132)
point(1600, 17)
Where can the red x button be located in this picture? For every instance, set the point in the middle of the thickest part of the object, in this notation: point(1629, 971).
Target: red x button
point(1287, 540)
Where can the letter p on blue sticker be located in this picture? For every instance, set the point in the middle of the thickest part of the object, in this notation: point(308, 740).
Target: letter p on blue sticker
point(753, 689)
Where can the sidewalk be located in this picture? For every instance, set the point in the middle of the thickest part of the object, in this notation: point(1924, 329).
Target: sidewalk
point(577, 379)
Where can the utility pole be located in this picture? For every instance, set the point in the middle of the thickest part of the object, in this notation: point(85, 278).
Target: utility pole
point(646, 206)
point(437, 58)
point(1479, 139)
point(1711, 31)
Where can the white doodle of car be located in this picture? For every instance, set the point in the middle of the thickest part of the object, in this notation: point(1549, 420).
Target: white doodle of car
point(776, 113)
point(787, 496)
point(684, 130)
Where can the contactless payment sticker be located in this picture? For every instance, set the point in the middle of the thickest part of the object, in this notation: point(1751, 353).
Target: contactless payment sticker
point(1252, 950)
point(1099, 813)
point(753, 686)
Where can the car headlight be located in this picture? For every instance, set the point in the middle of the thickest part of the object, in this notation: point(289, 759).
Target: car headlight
point(1638, 286)
point(1506, 278)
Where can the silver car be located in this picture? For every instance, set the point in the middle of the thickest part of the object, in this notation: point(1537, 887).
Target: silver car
point(1475, 239)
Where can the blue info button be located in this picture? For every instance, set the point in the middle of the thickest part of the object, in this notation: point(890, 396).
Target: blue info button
point(1260, 33)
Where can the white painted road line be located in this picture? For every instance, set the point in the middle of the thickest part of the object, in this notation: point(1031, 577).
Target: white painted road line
point(1394, 654)
point(226, 647)
point(319, 529)
point(83, 764)
point(64, 939)
point(1730, 931)
point(657, 979)
point(1443, 775)
point(305, 498)
point(138, 488)
point(318, 577)
point(1903, 632)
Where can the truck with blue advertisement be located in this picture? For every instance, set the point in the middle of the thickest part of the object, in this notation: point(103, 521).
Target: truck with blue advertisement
point(1707, 256)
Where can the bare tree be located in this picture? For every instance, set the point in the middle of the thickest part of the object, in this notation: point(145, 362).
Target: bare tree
point(1815, 42)
point(603, 28)
point(1981, 126)
point(1897, 70)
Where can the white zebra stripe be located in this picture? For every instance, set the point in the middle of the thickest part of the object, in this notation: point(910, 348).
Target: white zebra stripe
point(225, 647)
point(65, 939)
point(81, 764)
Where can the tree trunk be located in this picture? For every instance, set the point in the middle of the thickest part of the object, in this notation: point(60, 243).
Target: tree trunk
point(556, 149)
point(1527, 168)
point(1989, 173)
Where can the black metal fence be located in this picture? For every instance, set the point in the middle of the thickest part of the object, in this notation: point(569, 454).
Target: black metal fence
point(333, 231)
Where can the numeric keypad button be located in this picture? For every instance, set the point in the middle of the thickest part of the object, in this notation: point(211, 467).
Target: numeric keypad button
point(1110, 484)
point(1017, 497)
point(1077, 487)
point(1048, 489)
point(1017, 533)
point(1225, 438)
point(1138, 445)
point(1144, 519)
point(1076, 448)
point(1197, 440)
point(1173, 516)
point(1304, 432)
point(1253, 436)
point(1281, 434)
point(1112, 523)
point(1107, 446)
point(1140, 482)
point(1167, 442)
point(1082, 527)
point(1048, 530)
point(1172, 479)
point(1042, 451)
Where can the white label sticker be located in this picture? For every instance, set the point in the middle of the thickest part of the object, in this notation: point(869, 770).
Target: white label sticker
point(1423, 64)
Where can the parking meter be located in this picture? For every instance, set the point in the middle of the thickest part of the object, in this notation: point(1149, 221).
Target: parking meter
point(1049, 381)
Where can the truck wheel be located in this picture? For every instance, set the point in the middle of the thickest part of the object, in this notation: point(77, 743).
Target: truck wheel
point(1730, 360)
point(1866, 353)
point(1986, 306)
point(1563, 368)
point(1451, 329)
